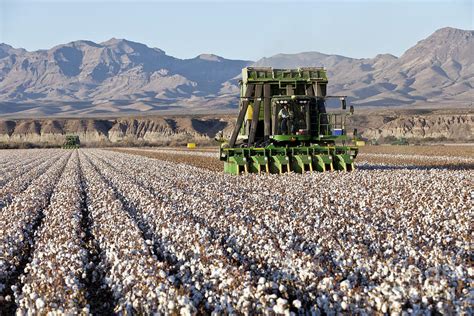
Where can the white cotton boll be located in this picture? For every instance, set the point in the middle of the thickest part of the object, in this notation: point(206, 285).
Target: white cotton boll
point(297, 304)
point(33, 296)
point(282, 288)
point(396, 306)
point(424, 300)
point(344, 305)
point(278, 309)
point(281, 301)
point(39, 303)
point(345, 285)
point(185, 311)
point(378, 303)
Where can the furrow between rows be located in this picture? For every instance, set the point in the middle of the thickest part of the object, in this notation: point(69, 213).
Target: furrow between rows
point(137, 279)
point(19, 222)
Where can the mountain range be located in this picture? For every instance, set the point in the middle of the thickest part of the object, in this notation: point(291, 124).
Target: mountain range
point(120, 77)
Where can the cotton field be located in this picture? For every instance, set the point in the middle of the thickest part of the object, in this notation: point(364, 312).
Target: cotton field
point(93, 231)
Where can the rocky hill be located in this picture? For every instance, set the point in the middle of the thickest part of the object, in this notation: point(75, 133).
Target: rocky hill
point(438, 69)
point(86, 78)
point(116, 132)
point(426, 125)
point(120, 77)
point(416, 125)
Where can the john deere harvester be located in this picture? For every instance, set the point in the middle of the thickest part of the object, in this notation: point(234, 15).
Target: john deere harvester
point(283, 125)
point(71, 142)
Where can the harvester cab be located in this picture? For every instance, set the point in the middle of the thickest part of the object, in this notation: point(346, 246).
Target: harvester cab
point(283, 124)
point(71, 142)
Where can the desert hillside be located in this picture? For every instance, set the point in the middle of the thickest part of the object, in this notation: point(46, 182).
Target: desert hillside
point(427, 125)
point(120, 77)
point(438, 69)
point(123, 131)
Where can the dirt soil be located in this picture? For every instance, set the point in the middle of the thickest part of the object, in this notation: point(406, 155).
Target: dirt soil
point(452, 157)
point(435, 150)
point(208, 163)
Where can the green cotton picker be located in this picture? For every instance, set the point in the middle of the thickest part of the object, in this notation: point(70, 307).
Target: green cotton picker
point(283, 125)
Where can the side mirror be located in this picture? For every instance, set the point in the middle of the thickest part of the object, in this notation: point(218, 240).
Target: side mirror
point(343, 103)
point(351, 109)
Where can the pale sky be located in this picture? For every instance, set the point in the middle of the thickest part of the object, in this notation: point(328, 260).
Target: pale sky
point(234, 29)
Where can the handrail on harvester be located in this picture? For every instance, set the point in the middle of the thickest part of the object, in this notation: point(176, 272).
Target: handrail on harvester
point(331, 122)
